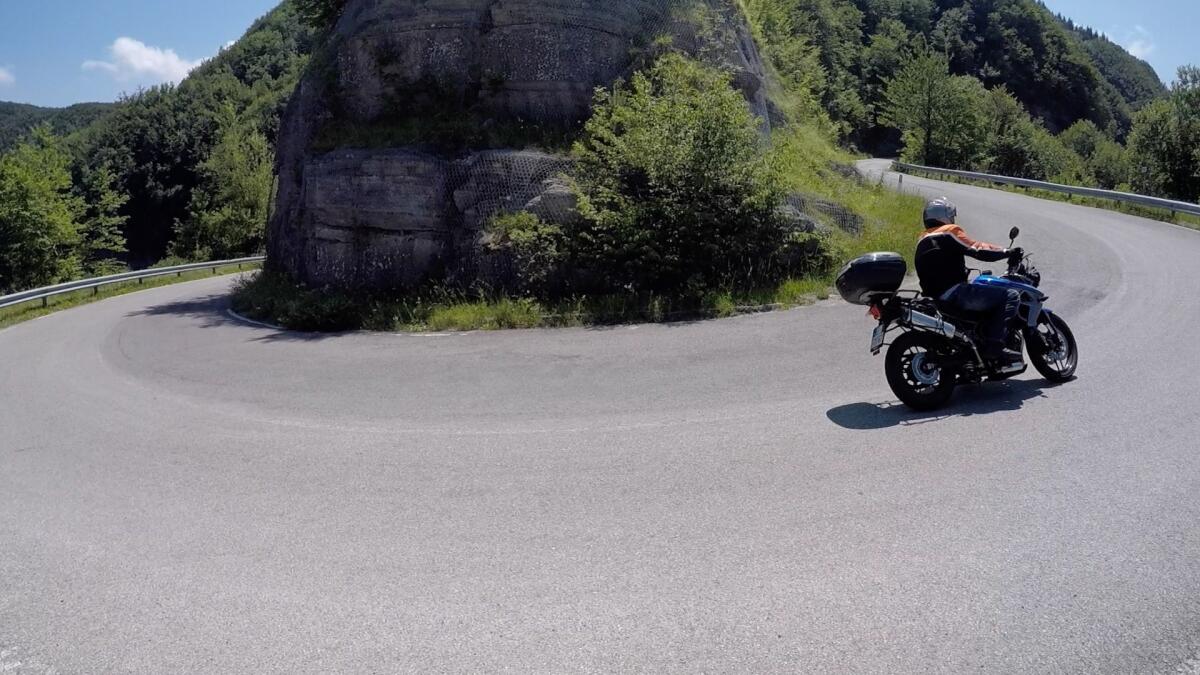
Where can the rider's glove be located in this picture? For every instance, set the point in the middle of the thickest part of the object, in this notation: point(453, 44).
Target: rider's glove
point(1016, 256)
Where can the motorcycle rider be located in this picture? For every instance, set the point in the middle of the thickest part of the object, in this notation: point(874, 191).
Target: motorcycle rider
point(941, 266)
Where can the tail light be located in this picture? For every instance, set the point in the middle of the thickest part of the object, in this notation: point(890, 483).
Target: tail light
point(875, 312)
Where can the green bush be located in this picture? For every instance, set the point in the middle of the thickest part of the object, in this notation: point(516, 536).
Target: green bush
point(534, 248)
point(676, 191)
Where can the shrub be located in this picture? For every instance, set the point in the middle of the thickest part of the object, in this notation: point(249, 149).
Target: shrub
point(676, 192)
point(534, 249)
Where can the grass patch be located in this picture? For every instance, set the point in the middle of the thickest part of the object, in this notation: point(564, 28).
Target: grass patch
point(1162, 215)
point(892, 219)
point(276, 299)
point(31, 310)
point(486, 315)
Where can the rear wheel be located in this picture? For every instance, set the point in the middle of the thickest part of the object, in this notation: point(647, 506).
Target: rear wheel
point(1052, 348)
point(914, 373)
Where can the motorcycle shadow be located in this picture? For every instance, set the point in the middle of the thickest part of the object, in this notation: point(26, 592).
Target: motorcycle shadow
point(968, 401)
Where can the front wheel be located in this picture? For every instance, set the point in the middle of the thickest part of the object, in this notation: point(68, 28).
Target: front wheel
point(914, 373)
point(1052, 348)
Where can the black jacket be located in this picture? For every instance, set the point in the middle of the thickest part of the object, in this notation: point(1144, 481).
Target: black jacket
point(941, 258)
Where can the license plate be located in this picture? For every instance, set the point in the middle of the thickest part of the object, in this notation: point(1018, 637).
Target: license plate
point(877, 339)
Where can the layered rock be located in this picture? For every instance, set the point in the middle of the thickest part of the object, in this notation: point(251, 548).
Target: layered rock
point(362, 210)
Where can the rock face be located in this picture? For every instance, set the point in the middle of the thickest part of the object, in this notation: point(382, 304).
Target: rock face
point(358, 210)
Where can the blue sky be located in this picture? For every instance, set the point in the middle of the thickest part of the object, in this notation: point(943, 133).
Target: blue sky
point(58, 52)
point(1161, 31)
point(125, 44)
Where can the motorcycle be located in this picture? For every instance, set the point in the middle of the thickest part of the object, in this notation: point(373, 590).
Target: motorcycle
point(936, 351)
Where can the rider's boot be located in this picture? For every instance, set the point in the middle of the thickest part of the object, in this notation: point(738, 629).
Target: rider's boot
point(1016, 343)
point(1004, 357)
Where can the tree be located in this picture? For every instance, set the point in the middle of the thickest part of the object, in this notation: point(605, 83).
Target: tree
point(915, 15)
point(1110, 166)
point(954, 34)
point(39, 229)
point(1011, 147)
point(795, 59)
point(320, 14)
point(1017, 145)
point(229, 209)
point(1164, 141)
point(881, 60)
point(155, 141)
point(1106, 163)
point(940, 115)
point(1084, 138)
point(17, 120)
point(835, 28)
point(1133, 78)
point(102, 244)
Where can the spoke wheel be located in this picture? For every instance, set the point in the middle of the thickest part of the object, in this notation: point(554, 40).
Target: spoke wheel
point(1052, 349)
point(914, 373)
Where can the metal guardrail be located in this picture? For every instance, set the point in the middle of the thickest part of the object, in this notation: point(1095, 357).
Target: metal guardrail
point(1123, 197)
point(44, 294)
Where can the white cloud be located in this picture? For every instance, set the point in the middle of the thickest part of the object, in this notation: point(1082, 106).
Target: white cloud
point(1140, 43)
point(133, 60)
point(1142, 49)
point(6, 77)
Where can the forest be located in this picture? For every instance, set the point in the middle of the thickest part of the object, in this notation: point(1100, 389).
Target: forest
point(185, 172)
point(18, 119)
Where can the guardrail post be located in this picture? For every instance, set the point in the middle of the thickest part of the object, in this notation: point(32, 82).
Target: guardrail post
point(45, 302)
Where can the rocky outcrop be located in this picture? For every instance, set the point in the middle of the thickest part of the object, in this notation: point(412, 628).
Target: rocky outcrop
point(392, 217)
point(363, 209)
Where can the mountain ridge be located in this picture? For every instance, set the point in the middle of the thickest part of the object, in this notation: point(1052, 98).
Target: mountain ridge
point(17, 119)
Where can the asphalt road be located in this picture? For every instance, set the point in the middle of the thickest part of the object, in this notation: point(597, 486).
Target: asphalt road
point(181, 492)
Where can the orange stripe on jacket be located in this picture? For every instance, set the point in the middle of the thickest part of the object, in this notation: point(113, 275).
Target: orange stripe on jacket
point(961, 235)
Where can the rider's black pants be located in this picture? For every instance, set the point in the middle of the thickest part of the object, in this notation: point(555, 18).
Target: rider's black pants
point(1001, 306)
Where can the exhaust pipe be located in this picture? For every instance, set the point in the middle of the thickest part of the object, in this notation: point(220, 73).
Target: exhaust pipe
point(929, 323)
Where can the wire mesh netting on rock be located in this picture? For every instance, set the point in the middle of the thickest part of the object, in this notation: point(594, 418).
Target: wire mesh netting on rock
point(823, 212)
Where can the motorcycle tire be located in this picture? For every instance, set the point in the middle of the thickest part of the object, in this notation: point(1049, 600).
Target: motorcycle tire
point(912, 372)
point(1052, 349)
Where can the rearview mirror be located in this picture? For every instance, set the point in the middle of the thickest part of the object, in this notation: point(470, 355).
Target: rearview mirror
point(1014, 233)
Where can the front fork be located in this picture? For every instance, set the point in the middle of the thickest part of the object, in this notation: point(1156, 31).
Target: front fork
point(1035, 339)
